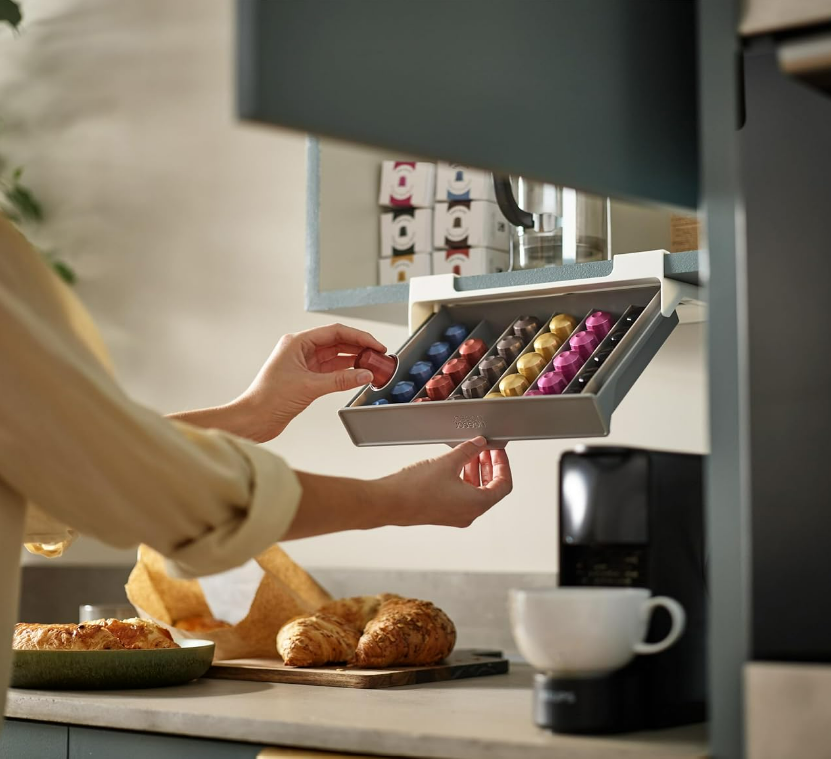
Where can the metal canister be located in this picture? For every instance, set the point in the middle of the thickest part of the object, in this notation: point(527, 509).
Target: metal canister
point(547, 344)
point(563, 325)
point(513, 385)
point(530, 365)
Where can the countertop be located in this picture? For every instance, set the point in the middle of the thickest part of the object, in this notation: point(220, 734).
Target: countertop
point(488, 717)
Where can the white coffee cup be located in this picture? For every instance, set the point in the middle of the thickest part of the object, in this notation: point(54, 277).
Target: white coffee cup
point(587, 632)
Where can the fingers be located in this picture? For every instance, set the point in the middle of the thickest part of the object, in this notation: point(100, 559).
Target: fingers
point(333, 334)
point(330, 351)
point(486, 467)
point(501, 482)
point(338, 381)
point(471, 473)
point(336, 364)
point(463, 453)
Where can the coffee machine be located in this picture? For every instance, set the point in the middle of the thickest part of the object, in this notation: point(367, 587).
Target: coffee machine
point(633, 518)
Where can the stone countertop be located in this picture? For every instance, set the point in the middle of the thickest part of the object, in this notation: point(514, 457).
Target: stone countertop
point(478, 718)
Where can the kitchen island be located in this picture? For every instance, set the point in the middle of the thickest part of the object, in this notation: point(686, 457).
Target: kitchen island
point(465, 719)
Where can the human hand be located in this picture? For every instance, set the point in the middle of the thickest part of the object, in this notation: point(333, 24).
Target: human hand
point(453, 489)
point(303, 367)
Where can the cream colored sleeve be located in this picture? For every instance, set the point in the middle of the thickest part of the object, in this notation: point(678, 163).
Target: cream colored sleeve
point(74, 444)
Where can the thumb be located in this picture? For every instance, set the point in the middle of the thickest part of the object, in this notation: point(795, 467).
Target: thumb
point(344, 379)
point(464, 452)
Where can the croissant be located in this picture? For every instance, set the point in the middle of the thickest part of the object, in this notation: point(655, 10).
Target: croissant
point(63, 637)
point(356, 611)
point(316, 640)
point(406, 632)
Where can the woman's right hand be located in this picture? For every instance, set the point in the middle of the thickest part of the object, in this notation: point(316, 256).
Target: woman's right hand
point(452, 490)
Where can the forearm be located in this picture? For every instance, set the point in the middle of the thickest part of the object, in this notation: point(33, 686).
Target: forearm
point(237, 417)
point(335, 504)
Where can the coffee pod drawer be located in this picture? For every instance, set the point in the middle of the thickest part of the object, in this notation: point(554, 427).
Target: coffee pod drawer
point(543, 361)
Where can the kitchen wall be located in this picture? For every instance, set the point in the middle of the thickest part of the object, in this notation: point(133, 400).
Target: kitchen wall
point(187, 232)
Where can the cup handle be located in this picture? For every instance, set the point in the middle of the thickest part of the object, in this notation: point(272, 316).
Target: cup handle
point(679, 618)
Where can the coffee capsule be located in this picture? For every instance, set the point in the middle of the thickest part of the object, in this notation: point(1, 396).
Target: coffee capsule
point(494, 394)
point(510, 347)
point(421, 371)
point(513, 385)
point(421, 400)
point(454, 335)
point(568, 362)
point(584, 343)
point(598, 359)
point(438, 353)
point(632, 313)
point(526, 327)
point(403, 392)
point(533, 391)
point(616, 337)
point(574, 389)
point(563, 325)
point(585, 375)
point(380, 402)
point(530, 365)
point(457, 369)
point(547, 344)
point(492, 368)
point(438, 388)
point(552, 383)
point(382, 367)
point(475, 387)
point(600, 322)
point(473, 349)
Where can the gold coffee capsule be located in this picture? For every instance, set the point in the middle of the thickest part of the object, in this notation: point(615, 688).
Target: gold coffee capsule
point(494, 394)
point(547, 345)
point(563, 325)
point(530, 365)
point(513, 385)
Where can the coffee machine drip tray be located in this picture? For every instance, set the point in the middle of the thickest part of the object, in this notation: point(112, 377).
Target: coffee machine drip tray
point(552, 360)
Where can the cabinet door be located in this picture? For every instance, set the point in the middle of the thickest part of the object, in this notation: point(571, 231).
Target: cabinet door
point(92, 743)
point(599, 94)
point(20, 739)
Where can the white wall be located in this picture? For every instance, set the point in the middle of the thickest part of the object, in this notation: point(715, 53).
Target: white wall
point(186, 229)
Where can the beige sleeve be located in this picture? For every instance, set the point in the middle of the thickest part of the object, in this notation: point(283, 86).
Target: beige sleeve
point(74, 444)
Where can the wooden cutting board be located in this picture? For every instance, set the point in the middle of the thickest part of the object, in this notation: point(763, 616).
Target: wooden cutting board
point(460, 664)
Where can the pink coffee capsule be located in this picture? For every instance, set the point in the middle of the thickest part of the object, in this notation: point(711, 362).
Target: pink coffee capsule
point(533, 391)
point(584, 343)
point(552, 383)
point(568, 362)
point(600, 322)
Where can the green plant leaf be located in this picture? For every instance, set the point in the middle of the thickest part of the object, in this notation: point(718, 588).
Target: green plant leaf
point(16, 174)
point(65, 272)
point(10, 13)
point(26, 203)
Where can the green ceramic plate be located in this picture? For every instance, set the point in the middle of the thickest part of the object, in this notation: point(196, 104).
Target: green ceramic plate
point(92, 670)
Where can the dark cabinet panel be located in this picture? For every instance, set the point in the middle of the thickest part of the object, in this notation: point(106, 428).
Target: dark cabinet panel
point(21, 739)
point(597, 94)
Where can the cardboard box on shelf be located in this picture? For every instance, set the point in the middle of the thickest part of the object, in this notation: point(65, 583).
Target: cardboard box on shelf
point(398, 269)
point(684, 233)
point(467, 261)
point(407, 184)
point(470, 224)
point(406, 231)
point(457, 182)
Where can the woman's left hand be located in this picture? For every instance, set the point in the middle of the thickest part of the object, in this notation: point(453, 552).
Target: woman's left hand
point(302, 367)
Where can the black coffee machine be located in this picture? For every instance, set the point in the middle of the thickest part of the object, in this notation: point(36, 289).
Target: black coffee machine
point(633, 518)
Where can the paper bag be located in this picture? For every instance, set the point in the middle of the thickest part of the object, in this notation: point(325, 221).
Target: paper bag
point(284, 591)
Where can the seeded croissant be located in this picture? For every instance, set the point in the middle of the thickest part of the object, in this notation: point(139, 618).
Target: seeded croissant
point(406, 632)
point(316, 640)
point(356, 611)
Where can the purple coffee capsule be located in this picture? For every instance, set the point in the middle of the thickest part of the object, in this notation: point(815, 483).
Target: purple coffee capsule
point(403, 392)
point(475, 387)
point(584, 343)
point(510, 347)
point(438, 353)
point(526, 327)
point(492, 368)
point(552, 383)
point(454, 335)
point(568, 362)
point(600, 322)
point(421, 372)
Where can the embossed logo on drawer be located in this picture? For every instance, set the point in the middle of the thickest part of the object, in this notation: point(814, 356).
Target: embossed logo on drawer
point(470, 423)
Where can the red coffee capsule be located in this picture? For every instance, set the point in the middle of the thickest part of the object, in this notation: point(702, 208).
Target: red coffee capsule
point(382, 367)
point(473, 349)
point(420, 400)
point(438, 388)
point(457, 369)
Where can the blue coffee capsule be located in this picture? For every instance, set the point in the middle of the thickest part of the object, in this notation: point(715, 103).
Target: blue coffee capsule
point(403, 392)
point(381, 402)
point(438, 353)
point(455, 334)
point(421, 372)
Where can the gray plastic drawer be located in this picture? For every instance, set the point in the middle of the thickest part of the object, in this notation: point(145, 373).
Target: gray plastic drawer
point(582, 414)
